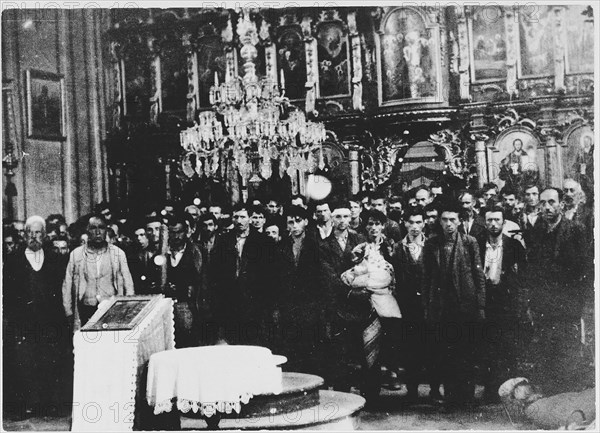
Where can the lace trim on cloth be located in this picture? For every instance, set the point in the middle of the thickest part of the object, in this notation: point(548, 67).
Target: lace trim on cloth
point(206, 409)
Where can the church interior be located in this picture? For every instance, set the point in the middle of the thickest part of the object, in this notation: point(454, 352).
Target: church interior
point(140, 109)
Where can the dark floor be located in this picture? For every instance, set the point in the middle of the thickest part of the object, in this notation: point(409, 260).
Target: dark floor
point(390, 413)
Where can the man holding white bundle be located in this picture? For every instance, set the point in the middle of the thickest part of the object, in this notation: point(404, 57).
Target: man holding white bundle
point(372, 279)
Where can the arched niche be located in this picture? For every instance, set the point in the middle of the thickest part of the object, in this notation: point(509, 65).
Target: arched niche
point(514, 163)
point(408, 58)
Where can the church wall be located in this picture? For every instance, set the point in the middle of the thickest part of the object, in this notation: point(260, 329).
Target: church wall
point(57, 174)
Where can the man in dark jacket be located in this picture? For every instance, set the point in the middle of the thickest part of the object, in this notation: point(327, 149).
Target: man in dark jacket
point(506, 305)
point(244, 281)
point(343, 311)
point(454, 293)
point(556, 265)
point(35, 333)
point(301, 295)
point(471, 223)
point(184, 281)
point(409, 268)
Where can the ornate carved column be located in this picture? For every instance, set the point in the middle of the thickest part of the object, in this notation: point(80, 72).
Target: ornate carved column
point(512, 47)
point(312, 65)
point(553, 175)
point(559, 48)
point(264, 35)
point(463, 53)
point(480, 150)
point(193, 95)
point(155, 80)
point(353, 157)
point(357, 89)
point(118, 80)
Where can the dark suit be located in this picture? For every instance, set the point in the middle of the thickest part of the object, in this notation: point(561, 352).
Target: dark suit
point(184, 283)
point(506, 305)
point(554, 278)
point(344, 316)
point(243, 287)
point(36, 337)
point(477, 227)
point(301, 303)
point(409, 288)
point(454, 293)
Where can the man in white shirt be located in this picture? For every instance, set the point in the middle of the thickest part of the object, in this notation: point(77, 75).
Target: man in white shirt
point(96, 272)
point(506, 305)
point(323, 219)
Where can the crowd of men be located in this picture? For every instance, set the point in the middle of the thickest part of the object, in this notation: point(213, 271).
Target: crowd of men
point(489, 283)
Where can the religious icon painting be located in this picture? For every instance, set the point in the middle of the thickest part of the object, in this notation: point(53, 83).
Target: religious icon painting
point(408, 58)
point(211, 66)
point(579, 23)
point(291, 58)
point(536, 37)
point(334, 60)
point(488, 43)
point(45, 105)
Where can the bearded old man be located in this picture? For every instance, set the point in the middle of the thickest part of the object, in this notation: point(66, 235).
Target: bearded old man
point(35, 332)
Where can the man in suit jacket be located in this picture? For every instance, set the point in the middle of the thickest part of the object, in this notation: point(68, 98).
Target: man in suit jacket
point(344, 312)
point(243, 282)
point(184, 281)
point(506, 303)
point(300, 293)
point(454, 293)
point(530, 220)
point(471, 223)
point(409, 268)
point(555, 280)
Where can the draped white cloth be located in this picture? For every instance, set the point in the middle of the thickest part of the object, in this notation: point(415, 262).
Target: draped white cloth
point(211, 379)
point(109, 366)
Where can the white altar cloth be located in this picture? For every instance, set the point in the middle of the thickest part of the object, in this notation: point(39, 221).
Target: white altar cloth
point(211, 379)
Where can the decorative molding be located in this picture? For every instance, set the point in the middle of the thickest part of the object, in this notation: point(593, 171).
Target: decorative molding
point(512, 118)
point(377, 161)
point(455, 153)
point(580, 83)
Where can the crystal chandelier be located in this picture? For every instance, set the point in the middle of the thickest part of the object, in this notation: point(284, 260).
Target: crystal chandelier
point(254, 119)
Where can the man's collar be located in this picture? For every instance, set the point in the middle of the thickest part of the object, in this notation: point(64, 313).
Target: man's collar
point(178, 251)
point(552, 227)
point(299, 238)
point(244, 234)
point(420, 240)
point(343, 235)
point(497, 244)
